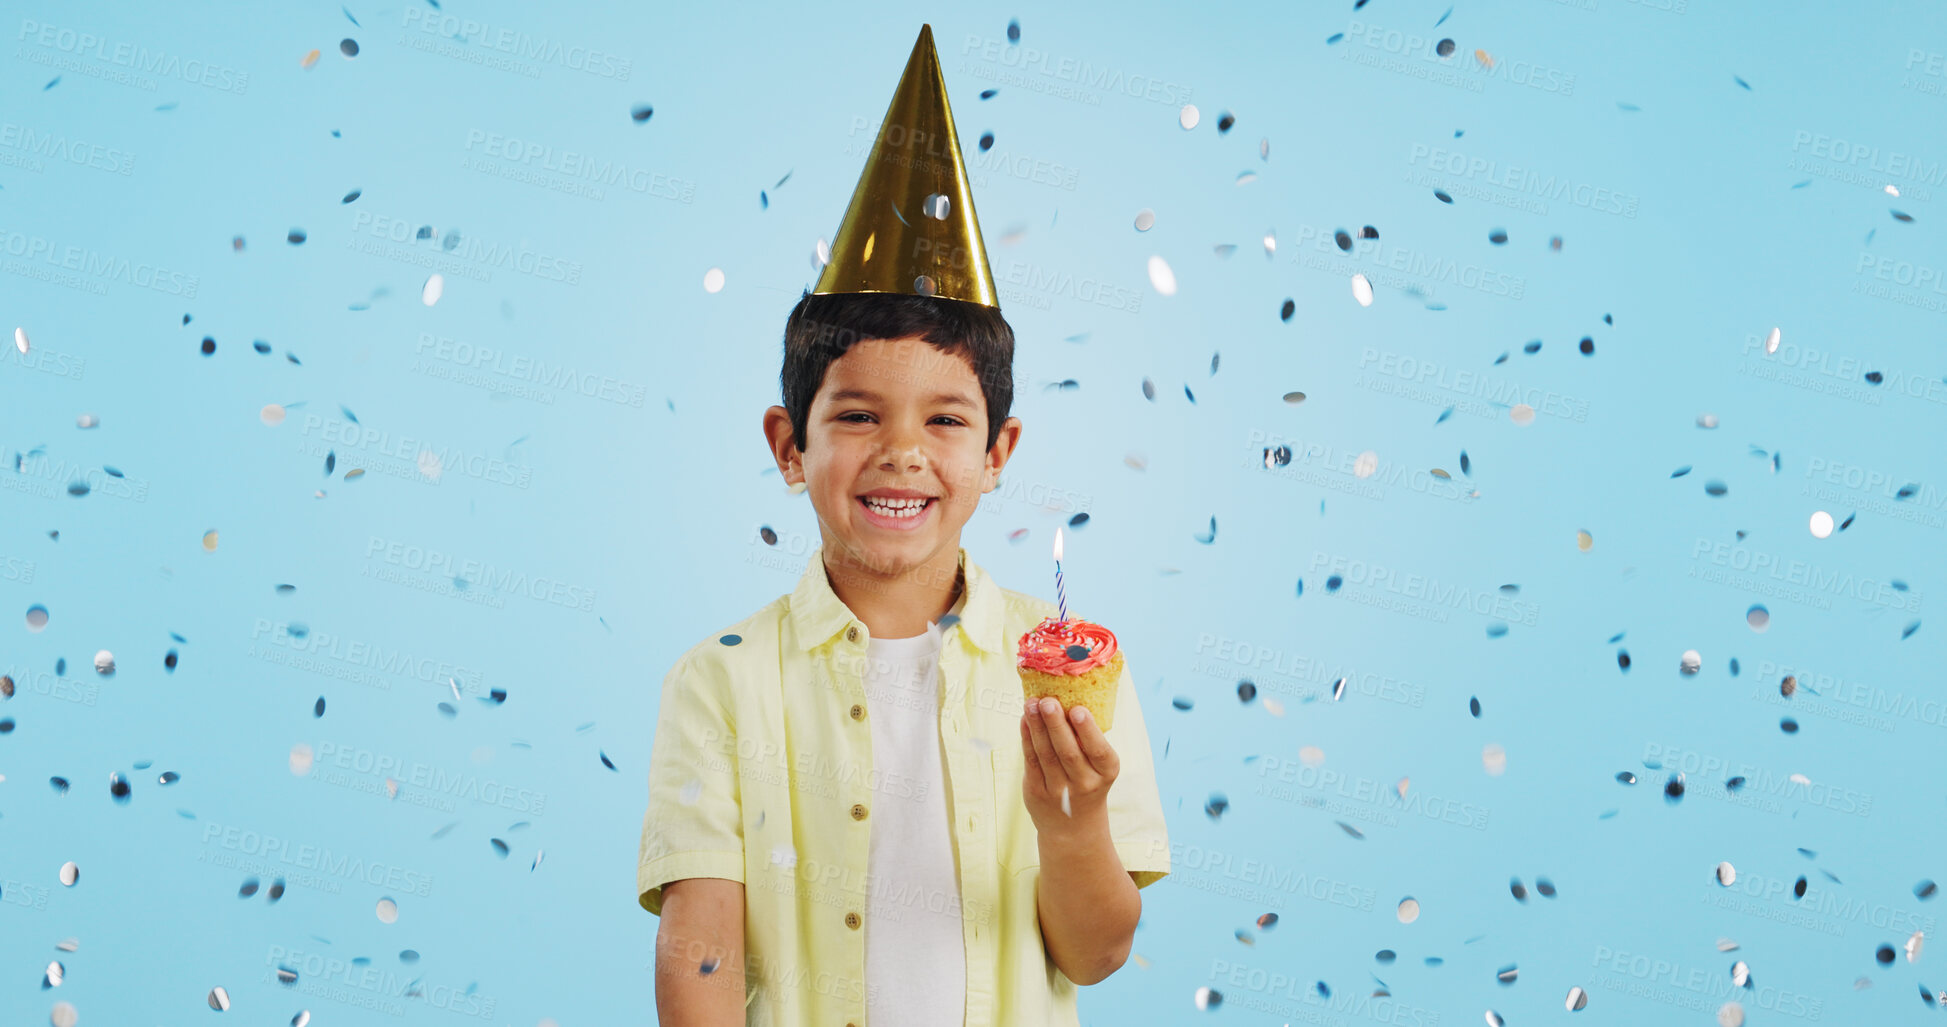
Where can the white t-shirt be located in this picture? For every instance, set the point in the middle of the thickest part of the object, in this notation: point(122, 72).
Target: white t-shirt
point(915, 955)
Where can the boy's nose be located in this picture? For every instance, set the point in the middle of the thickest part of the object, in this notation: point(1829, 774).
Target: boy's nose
point(903, 456)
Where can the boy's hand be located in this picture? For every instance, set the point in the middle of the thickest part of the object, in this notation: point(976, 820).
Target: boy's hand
point(1066, 753)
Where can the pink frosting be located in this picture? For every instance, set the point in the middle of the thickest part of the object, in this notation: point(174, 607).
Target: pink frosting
point(1046, 647)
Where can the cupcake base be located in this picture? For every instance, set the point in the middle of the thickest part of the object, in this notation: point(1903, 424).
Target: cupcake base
point(1095, 689)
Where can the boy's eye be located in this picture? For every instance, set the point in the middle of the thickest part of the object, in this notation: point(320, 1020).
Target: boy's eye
point(856, 413)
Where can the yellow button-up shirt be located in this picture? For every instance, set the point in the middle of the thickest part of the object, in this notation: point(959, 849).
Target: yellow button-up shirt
point(761, 772)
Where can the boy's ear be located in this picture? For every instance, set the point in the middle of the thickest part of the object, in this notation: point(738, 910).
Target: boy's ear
point(782, 442)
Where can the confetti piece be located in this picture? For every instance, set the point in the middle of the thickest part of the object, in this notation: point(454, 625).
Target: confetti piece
point(1578, 1000)
point(1161, 278)
point(713, 280)
point(434, 288)
point(309, 59)
point(1361, 289)
point(1188, 116)
point(1145, 219)
point(1409, 910)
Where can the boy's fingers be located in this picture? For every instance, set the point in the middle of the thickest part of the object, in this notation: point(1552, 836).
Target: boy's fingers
point(1033, 772)
point(1095, 745)
point(1063, 738)
point(1052, 774)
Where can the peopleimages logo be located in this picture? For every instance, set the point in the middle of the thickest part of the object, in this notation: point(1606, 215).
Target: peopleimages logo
point(1226, 658)
point(1258, 880)
point(1375, 801)
point(1318, 463)
point(356, 982)
point(1696, 989)
point(1750, 783)
point(407, 557)
point(462, 254)
point(436, 780)
point(335, 656)
point(1838, 698)
point(516, 374)
point(1420, 594)
point(1820, 909)
point(49, 260)
point(1407, 46)
point(74, 50)
point(1840, 375)
point(1375, 256)
point(410, 457)
point(1284, 995)
point(1404, 367)
point(517, 43)
point(576, 172)
point(1894, 497)
point(1754, 570)
point(1863, 164)
point(1523, 181)
point(261, 853)
point(1039, 71)
point(60, 148)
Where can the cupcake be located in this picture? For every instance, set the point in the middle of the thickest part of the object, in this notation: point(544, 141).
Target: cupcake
point(1076, 662)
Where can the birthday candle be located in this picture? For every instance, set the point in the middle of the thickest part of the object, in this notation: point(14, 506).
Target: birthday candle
point(1061, 597)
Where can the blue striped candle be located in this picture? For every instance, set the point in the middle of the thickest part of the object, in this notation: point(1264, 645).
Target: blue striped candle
point(1061, 597)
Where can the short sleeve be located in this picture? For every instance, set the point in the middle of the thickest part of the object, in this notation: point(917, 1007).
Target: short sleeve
point(1135, 807)
point(694, 826)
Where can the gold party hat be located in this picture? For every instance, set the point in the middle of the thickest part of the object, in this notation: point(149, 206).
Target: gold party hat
point(911, 228)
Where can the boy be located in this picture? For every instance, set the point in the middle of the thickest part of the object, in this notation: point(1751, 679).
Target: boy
point(854, 818)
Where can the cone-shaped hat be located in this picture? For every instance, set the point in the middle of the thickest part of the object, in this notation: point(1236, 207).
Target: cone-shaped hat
point(911, 228)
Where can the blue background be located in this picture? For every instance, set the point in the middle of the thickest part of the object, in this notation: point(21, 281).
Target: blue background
point(601, 521)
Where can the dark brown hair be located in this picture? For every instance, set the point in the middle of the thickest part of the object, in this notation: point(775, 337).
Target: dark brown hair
point(822, 327)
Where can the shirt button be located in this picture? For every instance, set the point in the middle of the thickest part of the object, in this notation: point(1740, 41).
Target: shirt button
point(852, 634)
point(858, 712)
point(858, 811)
point(852, 921)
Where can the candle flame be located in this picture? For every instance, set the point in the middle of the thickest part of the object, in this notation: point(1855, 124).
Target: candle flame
point(1057, 543)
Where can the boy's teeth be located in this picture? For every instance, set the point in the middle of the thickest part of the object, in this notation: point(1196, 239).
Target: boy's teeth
point(897, 507)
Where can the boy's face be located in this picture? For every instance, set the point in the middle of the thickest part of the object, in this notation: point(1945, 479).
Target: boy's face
point(898, 415)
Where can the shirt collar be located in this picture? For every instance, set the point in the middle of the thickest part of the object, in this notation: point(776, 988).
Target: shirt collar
point(818, 614)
